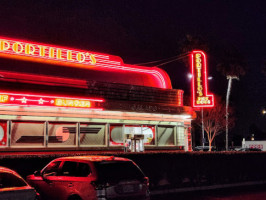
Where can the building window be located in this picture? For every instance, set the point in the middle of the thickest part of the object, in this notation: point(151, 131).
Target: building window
point(149, 134)
point(116, 135)
point(62, 134)
point(166, 136)
point(91, 134)
point(30, 134)
point(180, 139)
point(3, 133)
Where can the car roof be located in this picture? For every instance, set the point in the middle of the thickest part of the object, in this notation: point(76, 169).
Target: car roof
point(93, 158)
point(7, 170)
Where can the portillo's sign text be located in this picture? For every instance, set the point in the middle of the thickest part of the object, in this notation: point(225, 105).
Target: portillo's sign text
point(28, 51)
point(200, 97)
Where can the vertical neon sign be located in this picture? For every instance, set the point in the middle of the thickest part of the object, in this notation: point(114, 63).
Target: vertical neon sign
point(200, 96)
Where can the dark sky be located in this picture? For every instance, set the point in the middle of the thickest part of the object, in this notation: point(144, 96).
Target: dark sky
point(141, 31)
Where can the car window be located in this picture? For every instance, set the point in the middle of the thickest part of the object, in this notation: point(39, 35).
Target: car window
point(8, 180)
point(83, 170)
point(52, 169)
point(69, 168)
point(118, 170)
point(77, 169)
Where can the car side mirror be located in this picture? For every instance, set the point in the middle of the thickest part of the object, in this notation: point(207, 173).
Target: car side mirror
point(37, 173)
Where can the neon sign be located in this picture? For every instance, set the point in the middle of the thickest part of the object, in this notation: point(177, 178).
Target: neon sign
point(200, 96)
point(45, 52)
point(49, 101)
point(36, 52)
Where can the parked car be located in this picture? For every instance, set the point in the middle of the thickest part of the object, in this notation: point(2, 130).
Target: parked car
point(14, 187)
point(247, 149)
point(204, 148)
point(90, 177)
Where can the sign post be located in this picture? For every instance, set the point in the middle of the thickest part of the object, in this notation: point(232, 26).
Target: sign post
point(200, 97)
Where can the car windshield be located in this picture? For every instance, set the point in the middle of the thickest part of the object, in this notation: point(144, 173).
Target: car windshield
point(112, 171)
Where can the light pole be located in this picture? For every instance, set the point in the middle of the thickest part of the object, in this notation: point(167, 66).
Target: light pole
point(202, 126)
point(230, 78)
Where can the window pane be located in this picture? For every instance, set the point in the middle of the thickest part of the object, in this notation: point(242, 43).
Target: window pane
point(92, 134)
point(165, 136)
point(27, 134)
point(69, 168)
point(149, 135)
point(83, 170)
point(111, 171)
point(62, 134)
point(52, 169)
point(3, 133)
point(180, 136)
point(116, 135)
point(8, 180)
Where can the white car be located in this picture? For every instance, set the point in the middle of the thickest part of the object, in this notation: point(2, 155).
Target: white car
point(14, 187)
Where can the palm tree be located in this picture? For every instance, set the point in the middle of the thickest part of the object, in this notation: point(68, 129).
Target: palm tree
point(190, 43)
point(232, 66)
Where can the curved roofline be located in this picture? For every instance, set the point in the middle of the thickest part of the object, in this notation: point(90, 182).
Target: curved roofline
point(40, 52)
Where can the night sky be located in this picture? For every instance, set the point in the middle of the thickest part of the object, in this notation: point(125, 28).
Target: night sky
point(142, 31)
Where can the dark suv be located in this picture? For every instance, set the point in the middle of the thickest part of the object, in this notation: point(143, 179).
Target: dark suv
point(90, 177)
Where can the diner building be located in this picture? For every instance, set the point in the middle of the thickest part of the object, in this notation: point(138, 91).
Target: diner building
point(59, 98)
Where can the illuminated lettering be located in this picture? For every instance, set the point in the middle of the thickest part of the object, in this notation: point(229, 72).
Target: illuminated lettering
point(3, 98)
point(81, 57)
point(93, 59)
point(73, 103)
point(51, 52)
point(29, 49)
point(4, 45)
point(200, 95)
point(59, 54)
point(50, 101)
point(25, 49)
point(17, 47)
point(69, 55)
point(42, 50)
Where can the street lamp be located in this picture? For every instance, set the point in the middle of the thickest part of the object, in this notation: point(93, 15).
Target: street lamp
point(189, 76)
